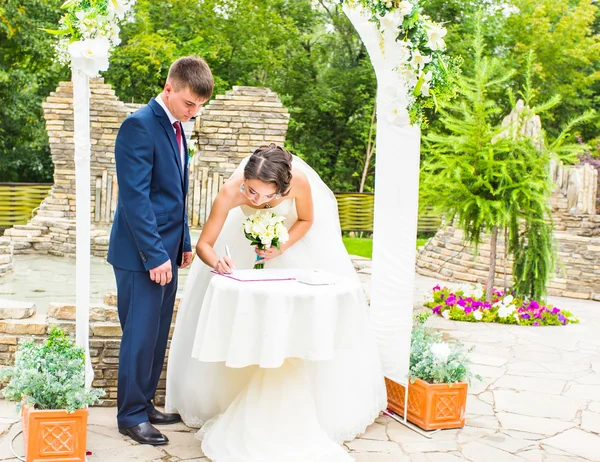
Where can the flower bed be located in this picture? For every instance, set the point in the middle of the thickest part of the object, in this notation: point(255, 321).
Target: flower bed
point(467, 303)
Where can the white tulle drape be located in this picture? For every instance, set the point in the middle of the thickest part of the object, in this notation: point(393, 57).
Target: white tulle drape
point(396, 202)
point(81, 138)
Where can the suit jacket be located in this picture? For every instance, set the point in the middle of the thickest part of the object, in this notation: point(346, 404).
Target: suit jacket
point(150, 224)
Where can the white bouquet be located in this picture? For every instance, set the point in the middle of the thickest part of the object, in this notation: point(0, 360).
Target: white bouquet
point(264, 230)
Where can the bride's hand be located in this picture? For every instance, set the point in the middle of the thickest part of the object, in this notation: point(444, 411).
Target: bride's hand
point(268, 254)
point(224, 265)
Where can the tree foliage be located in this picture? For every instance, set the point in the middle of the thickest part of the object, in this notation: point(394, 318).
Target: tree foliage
point(27, 75)
point(492, 177)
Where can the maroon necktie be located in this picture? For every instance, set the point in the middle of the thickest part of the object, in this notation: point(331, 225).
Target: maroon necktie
point(178, 134)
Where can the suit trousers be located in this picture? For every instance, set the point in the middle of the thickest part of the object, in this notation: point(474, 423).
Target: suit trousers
point(145, 312)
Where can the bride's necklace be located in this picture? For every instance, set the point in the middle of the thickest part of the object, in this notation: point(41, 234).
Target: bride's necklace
point(267, 205)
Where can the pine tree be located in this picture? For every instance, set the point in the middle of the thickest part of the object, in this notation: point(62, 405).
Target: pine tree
point(490, 178)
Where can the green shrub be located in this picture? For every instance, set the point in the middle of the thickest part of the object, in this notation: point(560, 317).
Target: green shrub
point(50, 375)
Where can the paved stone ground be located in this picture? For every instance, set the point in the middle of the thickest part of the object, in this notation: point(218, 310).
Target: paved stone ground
point(539, 400)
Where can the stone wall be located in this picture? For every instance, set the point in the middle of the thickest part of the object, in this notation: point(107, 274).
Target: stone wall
point(52, 230)
point(228, 129)
point(105, 338)
point(6, 255)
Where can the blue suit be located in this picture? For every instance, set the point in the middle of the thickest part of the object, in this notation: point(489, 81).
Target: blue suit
point(150, 227)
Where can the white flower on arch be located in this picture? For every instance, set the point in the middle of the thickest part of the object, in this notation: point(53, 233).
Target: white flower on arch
point(90, 56)
point(435, 36)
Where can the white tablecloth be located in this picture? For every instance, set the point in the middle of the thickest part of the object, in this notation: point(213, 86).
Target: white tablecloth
point(263, 323)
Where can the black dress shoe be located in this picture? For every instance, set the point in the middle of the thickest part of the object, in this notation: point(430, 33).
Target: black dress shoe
point(145, 433)
point(160, 418)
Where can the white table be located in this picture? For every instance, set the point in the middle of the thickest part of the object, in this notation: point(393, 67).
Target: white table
point(275, 325)
point(263, 323)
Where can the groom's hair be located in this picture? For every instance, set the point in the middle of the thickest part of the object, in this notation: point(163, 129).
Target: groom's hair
point(194, 73)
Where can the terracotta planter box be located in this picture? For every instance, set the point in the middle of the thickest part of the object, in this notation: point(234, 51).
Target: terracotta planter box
point(430, 406)
point(54, 435)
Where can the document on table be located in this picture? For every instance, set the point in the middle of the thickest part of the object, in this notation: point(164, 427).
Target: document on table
point(315, 277)
point(257, 275)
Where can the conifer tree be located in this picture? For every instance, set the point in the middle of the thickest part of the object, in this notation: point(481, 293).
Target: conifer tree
point(491, 178)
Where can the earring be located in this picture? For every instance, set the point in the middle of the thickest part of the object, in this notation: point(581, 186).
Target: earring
point(242, 188)
point(277, 196)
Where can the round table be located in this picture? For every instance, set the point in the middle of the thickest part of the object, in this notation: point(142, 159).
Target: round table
point(262, 323)
point(276, 325)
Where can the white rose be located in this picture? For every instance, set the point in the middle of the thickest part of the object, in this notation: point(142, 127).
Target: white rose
point(478, 315)
point(258, 229)
point(441, 351)
point(248, 226)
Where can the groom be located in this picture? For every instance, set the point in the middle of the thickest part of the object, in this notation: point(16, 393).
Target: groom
point(150, 239)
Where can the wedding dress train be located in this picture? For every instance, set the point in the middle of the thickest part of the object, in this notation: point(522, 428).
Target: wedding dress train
point(264, 412)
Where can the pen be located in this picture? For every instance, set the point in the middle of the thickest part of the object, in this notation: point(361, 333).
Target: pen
point(227, 252)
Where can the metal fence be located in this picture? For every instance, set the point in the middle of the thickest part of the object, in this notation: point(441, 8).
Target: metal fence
point(18, 201)
point(356, 214)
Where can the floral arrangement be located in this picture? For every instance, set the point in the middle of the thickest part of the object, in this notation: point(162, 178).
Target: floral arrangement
point(434, 360)
point(425, 70)
point(88, 31)
point(49, 375)
point(264, 230)
point(467, 303)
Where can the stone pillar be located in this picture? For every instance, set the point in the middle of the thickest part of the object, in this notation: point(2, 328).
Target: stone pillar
point(52, 230)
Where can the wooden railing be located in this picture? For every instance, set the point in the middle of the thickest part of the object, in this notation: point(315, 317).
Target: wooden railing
point(18, 200)
point(356, 214)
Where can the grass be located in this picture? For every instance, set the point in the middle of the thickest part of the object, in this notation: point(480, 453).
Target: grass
point(364, 247)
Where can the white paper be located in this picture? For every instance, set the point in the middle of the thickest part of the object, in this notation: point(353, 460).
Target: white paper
point(258, 275)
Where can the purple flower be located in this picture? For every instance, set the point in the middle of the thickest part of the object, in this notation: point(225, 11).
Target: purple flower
point(525, 316)
point(555, 311)
point(461, 302)
point(536, 323)
point(451, 300)
point(562, 319)
point(534, 305)
point(436, 288)
point(437, 309)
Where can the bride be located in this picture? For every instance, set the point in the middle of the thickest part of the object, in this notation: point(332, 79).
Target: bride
point(347, 393)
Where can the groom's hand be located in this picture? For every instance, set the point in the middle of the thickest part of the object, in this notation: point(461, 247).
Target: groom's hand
point(186, 259)
point(162, 274)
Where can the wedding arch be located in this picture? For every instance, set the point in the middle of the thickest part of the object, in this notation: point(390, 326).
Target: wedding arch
point(406, 50)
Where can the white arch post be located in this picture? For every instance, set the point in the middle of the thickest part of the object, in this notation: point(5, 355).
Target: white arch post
point(86, 45)
point(396, 199)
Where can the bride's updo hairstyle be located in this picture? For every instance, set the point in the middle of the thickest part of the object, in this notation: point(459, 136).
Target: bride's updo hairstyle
point(271, 164)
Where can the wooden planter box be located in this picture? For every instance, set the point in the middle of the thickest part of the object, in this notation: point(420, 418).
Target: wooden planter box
point(54, 435)
point(431, 406)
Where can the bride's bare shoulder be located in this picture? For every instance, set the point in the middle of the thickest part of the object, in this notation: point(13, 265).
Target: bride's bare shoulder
point(229, 192)
point(299, 180)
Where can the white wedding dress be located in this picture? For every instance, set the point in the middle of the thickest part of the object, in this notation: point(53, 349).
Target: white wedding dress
point(258, 423)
